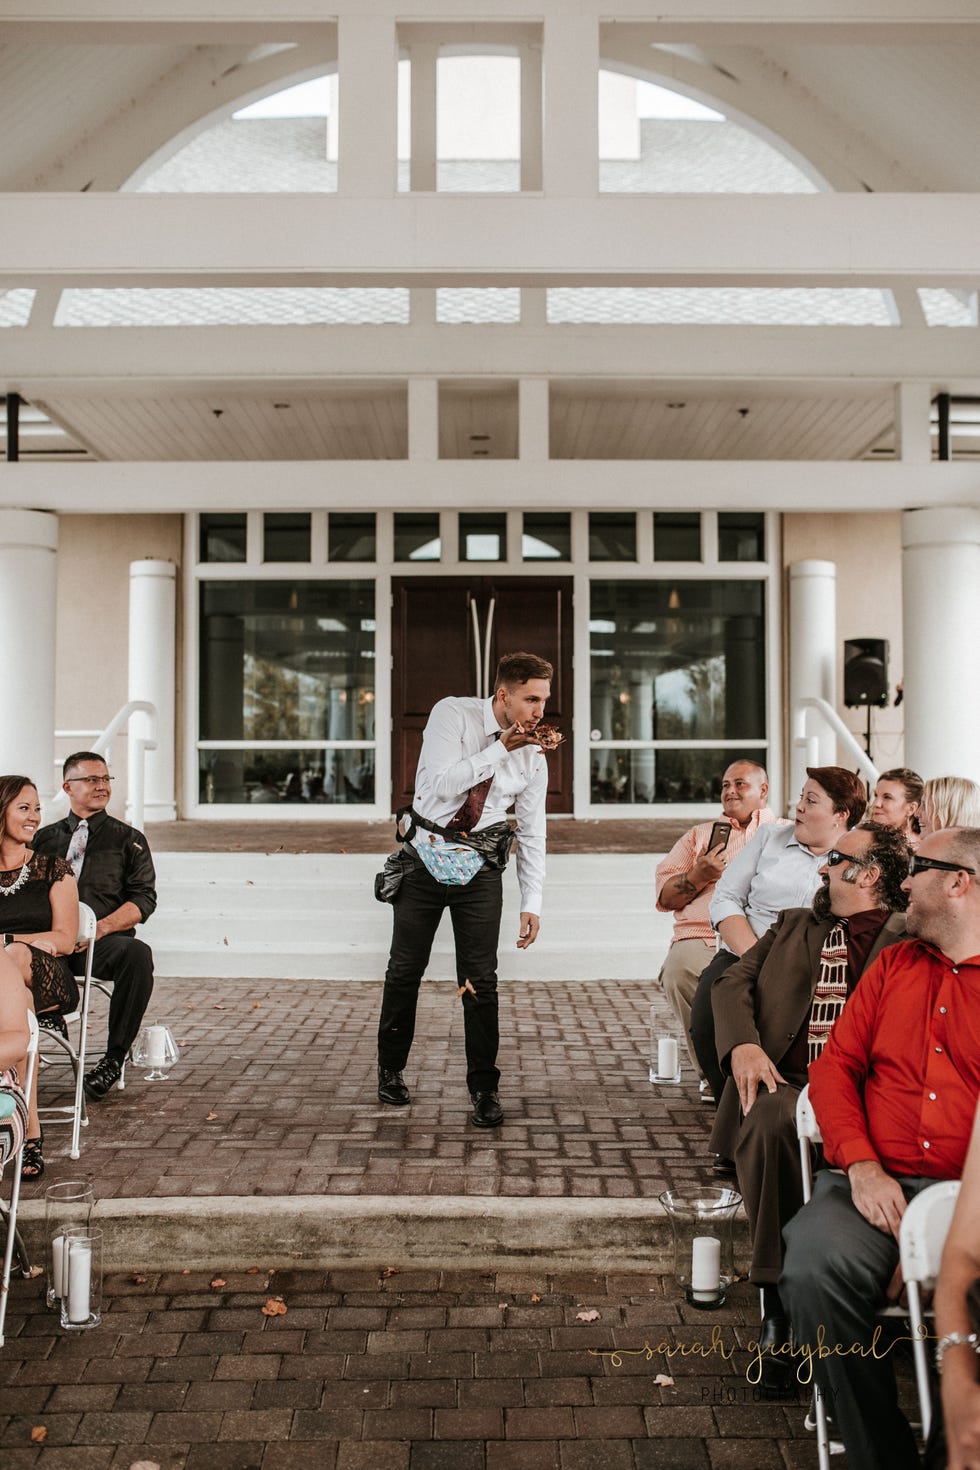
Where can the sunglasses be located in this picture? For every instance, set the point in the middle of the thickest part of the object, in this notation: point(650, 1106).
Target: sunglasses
point(919, 864)
point(834, 857)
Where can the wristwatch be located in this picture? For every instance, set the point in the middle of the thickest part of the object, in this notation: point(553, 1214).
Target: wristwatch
point(955, 1339)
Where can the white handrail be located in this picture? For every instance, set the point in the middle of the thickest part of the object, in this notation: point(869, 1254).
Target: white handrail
point(845, 736)
point(102, 745)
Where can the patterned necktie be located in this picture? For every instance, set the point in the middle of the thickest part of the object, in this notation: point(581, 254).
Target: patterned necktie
point(831, 992)
point(472, 809)
point(77, 846)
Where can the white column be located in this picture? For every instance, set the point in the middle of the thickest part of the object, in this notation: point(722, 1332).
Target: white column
point(533, 418)
point(531, 118)
point(913, 430)
point(423, 418)
point(152, 676)
point(571, 105)
point(424, 58)
point(940, 617)
point(28, 576)
point(367, 164)
point(812, 663)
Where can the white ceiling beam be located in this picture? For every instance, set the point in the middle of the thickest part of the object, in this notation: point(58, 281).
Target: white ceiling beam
point(627, 240)
point(132, 358)
point(128, 487)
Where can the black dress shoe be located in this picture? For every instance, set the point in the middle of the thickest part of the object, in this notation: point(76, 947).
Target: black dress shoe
point(777, 1371)
point(487, 1112)
point(391, 1088)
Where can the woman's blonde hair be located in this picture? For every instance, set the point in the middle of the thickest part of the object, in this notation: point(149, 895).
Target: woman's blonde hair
point(951, 801)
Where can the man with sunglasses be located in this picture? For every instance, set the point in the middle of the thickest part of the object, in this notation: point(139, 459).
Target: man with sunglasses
point(773, 1010)
point(116, 879)
point(895, 1091)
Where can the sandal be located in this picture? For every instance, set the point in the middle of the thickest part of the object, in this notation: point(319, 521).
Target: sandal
point(31, 1160)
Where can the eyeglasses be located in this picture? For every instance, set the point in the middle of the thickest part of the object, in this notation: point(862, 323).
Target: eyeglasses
point(835, 856)
point(919, 864)
point(91, 780)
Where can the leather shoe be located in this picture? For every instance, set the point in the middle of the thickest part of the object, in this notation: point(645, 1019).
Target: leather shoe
point(487, 1112)
point(776, 1371)
point(392, 1089)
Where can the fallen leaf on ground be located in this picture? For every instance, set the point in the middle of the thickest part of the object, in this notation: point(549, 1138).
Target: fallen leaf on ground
point(219, 1281)
point(256, 1004)
point(38, 1434)
point(275, 1307)
point(225, 940)
point(664, 1380)
point(139, 1279)
point(252, 1271)
point(249, 882)
point(590, 1316)
point(219, 1008)
point(389, 1271)
point(501, 1306)
point(35, 1271)
point(535, 1297)
point(210, 1117)
point(186, 1271)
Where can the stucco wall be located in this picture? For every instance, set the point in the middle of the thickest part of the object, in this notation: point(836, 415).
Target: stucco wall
point(867, 550)
point(94, 553)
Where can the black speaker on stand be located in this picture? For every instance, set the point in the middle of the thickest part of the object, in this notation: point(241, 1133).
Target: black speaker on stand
point(866, 677)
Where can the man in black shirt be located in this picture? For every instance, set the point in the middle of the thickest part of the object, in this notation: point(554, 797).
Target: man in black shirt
point(115, 875)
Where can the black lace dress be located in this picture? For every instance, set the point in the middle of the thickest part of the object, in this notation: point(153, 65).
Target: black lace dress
point(28, 911)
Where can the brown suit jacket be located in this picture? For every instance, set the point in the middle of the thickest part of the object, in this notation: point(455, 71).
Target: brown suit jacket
point(765, 997)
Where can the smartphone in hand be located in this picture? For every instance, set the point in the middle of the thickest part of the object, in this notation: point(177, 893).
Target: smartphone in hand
point(720, 833)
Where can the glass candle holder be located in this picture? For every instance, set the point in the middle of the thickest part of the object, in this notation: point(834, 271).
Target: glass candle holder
point(665, 1052)
point(81, 1301)
point(66, 1206)
point(703, 1229)
point(155, 1048)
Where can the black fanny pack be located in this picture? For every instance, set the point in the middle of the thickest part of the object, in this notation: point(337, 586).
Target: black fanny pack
point(492, 843)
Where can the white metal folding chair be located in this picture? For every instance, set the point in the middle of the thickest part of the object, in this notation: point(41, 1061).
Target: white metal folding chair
point(14, 1166)
point(106, 987)
point(922, 1236)
point(808, 1133)
point(75, 1112)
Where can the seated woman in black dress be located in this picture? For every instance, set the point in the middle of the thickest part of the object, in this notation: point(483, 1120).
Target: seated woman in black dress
point(39, 923)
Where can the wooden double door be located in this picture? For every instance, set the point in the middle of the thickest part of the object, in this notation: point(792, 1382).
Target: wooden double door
point(447, 636)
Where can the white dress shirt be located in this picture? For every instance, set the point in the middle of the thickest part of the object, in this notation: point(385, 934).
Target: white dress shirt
point(772, 872)
point(459, 749)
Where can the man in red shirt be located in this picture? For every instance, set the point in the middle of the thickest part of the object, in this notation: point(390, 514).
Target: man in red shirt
point(894, 1090)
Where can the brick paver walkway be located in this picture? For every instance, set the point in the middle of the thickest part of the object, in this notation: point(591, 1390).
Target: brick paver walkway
point(275, 1089)
point(410, 1370)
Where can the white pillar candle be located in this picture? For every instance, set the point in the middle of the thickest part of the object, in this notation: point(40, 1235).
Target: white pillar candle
point(58, 1265)
point(156, 1046)
point(705, 1268)
point(79, 1254)
point(667, 1056)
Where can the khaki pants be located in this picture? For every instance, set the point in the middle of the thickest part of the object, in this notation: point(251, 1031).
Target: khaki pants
point(678, 979)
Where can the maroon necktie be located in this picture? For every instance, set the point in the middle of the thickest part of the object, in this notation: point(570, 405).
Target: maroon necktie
point(472, 809)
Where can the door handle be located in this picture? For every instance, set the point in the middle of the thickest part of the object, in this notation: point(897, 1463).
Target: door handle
point(486, 648)
point(476, 647)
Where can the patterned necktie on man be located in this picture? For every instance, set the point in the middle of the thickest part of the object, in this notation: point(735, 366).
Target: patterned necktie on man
point(76, 848)
point(472, 809)
point(831, 990)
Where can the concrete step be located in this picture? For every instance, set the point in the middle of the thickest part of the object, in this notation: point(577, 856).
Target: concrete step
point(314, 916)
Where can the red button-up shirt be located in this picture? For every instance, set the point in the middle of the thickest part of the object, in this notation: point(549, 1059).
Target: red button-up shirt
point(899, 1077)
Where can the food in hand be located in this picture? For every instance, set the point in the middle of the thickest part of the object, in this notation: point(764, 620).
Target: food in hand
point(548, 736)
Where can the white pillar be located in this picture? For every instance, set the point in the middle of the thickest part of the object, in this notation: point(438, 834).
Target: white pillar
point(571, 105)
point(812, 663)
point(423, 418)
point(533, 407)
point(531, 118)
point(913, 430)
point(940, 616)
point(152, 676)
point(424, 57)
point(28, 577)
point(367, 57)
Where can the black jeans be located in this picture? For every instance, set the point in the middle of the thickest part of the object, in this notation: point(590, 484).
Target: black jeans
point(475, 909)
point(128, 963)
point(703, 1022)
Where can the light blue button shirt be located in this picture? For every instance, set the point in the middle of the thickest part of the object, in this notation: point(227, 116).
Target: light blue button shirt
point(772, 872)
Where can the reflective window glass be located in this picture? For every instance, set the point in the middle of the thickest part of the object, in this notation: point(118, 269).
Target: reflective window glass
point(547, 536)
point(483, 536)
point(741, 535)
point(223, 536)
point(352, 537)
point(417, 536)
point(676, 535)
point(640, 776)
point(612, 535)
point(286, 536)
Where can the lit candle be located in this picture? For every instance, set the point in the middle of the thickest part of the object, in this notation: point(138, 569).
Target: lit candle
point(667, 1056)
point(79, 1279)
point(705, 1268)
point(58, 1265)
point(156, 1046)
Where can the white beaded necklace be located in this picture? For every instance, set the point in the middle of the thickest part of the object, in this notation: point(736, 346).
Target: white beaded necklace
point(6, 889)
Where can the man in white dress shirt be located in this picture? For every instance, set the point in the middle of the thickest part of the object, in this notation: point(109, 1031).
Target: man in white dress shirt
point(479, 757)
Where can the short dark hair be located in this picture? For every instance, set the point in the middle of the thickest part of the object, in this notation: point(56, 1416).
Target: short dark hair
point(847, 791)
point(79, 758)
point(910, 781)
point(890, 854)
point(517, 668)
point(10, 787)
